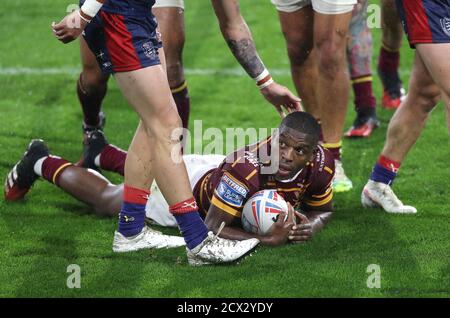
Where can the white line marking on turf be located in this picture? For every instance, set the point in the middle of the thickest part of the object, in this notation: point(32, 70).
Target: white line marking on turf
point(187, 71)
point(76, 71)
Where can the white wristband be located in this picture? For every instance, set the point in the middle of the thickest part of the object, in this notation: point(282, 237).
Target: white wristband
point(83, 18)
point(262, 75)
point(91, 7)
point(264, 85)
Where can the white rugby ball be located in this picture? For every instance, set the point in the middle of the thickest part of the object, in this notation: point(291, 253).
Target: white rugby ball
point(262, 210)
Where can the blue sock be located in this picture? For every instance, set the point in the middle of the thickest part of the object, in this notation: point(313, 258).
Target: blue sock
point(131, 219)
point(132, 212)
point(190, 223)
point(192, 228)
point(381, 174)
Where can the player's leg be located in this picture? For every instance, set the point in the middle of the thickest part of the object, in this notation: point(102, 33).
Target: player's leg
point(85, 185)
point(91, 89)
point(331, 23)
point(359, 55)
point(435, 57)
point(156, 147)
point(170, 16)
point(99, 154)
point(404, 129)
point(296, 24)
point(389, 58)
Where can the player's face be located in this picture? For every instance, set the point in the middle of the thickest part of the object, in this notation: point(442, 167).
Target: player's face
point(296, 149)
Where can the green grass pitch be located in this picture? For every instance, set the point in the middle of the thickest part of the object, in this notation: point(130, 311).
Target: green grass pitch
point(49, 230)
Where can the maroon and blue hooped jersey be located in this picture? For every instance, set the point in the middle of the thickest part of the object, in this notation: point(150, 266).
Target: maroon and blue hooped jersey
point(123, 36)
point(425, 21)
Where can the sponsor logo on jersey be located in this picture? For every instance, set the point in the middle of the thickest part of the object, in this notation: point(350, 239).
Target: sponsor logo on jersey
point(252, 158)
point(445, 23)
point(231, 192)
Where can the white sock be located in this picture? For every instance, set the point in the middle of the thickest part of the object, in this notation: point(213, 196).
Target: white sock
point(97, 160)
point(38, 166)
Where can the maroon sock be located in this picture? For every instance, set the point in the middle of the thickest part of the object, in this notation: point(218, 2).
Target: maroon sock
point(389, 61)
point(91, 102)
point(52, 168)
point(364, 98)
point(113, 158)
point(181, 96)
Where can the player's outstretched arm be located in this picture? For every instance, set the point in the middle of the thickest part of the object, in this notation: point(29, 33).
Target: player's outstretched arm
point(310, 222)
point(239, 38)
point(75, 22)
point(278, 235)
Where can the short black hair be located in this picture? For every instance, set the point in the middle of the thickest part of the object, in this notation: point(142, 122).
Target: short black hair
point(304, 123)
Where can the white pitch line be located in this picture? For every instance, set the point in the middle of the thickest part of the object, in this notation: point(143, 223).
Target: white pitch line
point(75, 71)
point(188, 71)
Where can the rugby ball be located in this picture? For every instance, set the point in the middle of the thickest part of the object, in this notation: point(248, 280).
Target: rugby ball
point(262, 210)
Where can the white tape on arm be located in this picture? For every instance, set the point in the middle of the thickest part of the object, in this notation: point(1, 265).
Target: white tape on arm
point(91, 7)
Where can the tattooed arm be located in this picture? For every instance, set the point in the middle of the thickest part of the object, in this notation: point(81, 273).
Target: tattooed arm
point(239, 38)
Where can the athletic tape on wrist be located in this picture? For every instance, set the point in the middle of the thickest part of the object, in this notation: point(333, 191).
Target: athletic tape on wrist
point(91, 7)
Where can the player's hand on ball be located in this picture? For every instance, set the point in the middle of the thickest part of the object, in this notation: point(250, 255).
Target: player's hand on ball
point(282, 98)
point(69, 28)
point(281, 228)
point(302, 231)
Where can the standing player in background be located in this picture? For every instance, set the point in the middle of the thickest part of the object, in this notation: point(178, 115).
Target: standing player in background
point(389, 58)
point(92, 84)
point(123, 35)
point(359, 55)
point(427, 26)
point(316, 34)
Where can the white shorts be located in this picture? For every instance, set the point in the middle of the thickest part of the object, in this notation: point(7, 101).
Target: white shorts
point(157, 208)
point(320, 6)
point(169, 3)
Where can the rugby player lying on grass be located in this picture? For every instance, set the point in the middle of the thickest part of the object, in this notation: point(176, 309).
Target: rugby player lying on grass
point(221, 184)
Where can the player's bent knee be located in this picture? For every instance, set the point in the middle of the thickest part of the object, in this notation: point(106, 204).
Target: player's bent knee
point(175, 73)
point(298, 55)
point(164, 124)
point(331, 59)
point(428, 98)
point(93, 82)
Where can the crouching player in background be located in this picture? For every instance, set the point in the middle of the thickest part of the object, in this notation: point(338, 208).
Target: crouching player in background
point(221, 184)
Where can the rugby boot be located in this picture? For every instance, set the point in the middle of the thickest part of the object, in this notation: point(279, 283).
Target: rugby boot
point(22, 176)
point(147, 238)
point(216, 250)
point(381, 195)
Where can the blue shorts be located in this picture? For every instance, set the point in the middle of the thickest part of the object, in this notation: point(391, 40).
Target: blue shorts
point(123, 43)
point(425, 21)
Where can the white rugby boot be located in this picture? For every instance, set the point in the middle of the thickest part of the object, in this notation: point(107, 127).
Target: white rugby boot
point(341, 183)
point(147, 238)
point(378, 194)
point(216, 250)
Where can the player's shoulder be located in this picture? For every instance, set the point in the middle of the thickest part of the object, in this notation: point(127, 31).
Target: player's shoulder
point(324, 161)
point(243, 165)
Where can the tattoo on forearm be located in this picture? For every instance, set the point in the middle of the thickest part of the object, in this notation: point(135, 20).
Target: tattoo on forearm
point(245, 52)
